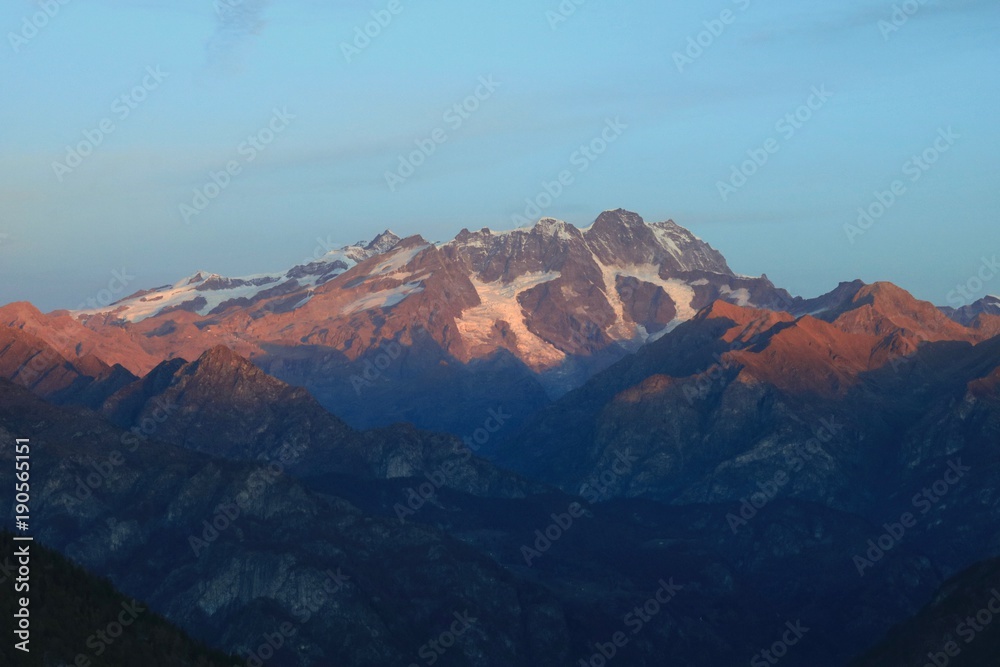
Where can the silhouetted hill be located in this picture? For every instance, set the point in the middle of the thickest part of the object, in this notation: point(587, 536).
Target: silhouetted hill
point(75, 618)
point(960, 628)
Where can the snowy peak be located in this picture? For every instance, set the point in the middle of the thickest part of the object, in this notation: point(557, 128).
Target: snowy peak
point(206, 293)
point(556, 228)
point(551, 294)
point(382, 243)
point(618, 221)
point(620, 238)
point(617, 238)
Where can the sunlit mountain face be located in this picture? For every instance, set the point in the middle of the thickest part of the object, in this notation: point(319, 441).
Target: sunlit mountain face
point(512, 334)
point(614, 418)
point(376, 329)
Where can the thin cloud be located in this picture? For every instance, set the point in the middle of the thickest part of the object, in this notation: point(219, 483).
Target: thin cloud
point(868, 16)
point(237, 22)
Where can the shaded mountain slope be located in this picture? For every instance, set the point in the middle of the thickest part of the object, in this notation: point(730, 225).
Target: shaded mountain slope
point(69, 607)
point(960, 627)
point(224, 406)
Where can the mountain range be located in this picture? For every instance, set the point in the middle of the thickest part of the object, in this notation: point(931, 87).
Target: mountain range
point(373, 330)
point(541, 429)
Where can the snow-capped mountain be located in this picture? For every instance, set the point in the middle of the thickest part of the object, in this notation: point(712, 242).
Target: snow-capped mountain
point(206, 293)
point(438, 334)
point(544, 293)
point(549, 305)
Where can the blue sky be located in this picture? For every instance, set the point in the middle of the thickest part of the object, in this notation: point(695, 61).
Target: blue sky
point(894, 88)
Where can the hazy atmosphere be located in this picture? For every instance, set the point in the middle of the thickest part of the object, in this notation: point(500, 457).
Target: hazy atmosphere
point(569, 333)
point(117, 114)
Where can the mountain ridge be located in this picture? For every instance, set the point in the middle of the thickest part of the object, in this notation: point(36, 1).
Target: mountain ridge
point(400, 329)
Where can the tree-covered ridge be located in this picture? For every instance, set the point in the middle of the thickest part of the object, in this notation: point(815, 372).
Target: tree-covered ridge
point(75, 620)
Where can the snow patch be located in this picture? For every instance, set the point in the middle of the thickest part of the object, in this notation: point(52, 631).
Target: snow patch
point(682, 295)
point(139, 308)
point(680, 292)
point(740, 296)
point(397, 259)
point(666, 239)
point(552, 227)
point(499, 302)
point(384, 298)
point(307, 277)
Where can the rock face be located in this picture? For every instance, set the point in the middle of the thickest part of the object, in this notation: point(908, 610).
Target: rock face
point(31, 362)
point(983, 315)
point(224, 406)
point(749, 451)
point(114, 346)
point(69, 606)
point(146, 522)
point(233, 551)
point(948, 628)
point(989, 305)
point(487, 319)
point(740, 400)
point(725, 395)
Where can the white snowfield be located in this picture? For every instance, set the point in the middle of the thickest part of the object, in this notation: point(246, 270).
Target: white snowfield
point(500, 304)
point(478, 326)
point(201, 285)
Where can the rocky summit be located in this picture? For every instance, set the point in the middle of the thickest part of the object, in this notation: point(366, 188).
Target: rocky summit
point(635, 453)
point(372, 329)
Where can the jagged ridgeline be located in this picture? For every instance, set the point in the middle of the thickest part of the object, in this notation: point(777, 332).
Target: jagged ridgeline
point(75, 617)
